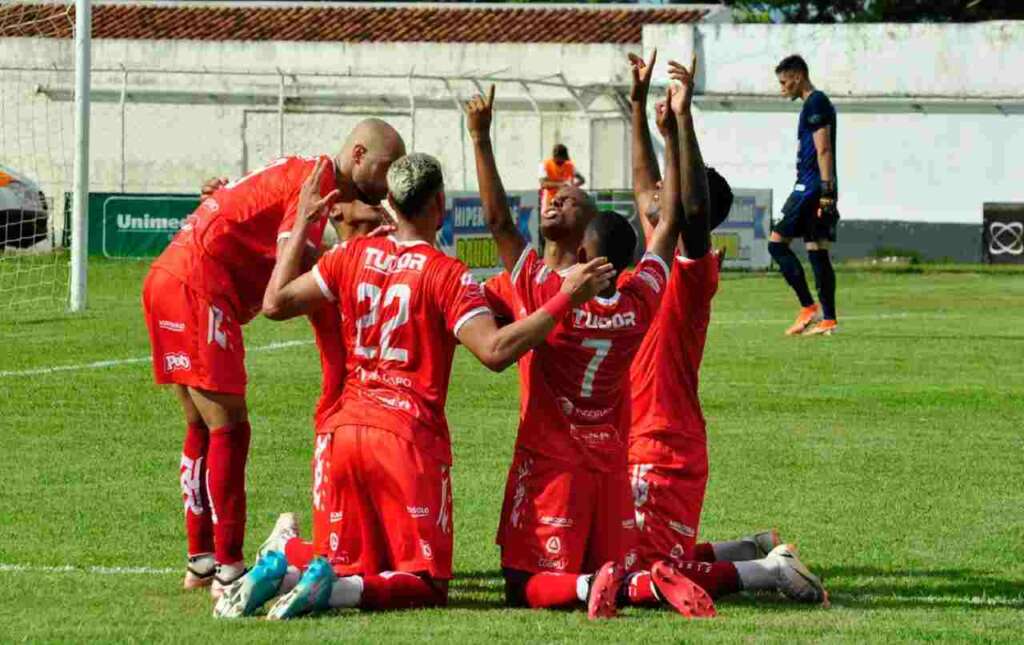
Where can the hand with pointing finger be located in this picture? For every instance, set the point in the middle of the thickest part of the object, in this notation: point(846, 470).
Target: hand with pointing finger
point(479, 112)
point(642, 72)
point(687, 78)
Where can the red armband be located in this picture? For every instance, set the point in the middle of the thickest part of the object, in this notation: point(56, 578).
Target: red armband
point(558, 306)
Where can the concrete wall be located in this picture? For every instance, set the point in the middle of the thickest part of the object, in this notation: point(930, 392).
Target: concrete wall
point(931, 117)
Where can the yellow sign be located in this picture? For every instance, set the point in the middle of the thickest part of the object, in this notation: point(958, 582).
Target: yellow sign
point(477, 252)
point(731, 242)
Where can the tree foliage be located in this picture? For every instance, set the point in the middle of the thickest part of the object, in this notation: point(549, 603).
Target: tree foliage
point(829, 11)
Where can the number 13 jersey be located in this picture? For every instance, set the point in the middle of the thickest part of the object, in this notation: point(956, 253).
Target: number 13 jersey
point(402, 304)
point(575, 387)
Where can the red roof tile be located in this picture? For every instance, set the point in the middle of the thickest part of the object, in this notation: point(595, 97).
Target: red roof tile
point(347, 23)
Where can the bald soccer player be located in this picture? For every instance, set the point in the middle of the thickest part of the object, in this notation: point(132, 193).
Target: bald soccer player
point(200, 291)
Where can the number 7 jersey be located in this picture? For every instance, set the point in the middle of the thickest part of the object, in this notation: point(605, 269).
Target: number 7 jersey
point(575, 386)
point(402, 305)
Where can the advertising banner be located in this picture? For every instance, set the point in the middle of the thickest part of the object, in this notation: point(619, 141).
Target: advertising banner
point(1003, 233)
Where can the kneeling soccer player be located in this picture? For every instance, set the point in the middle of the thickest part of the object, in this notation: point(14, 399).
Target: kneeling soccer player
point(404, 305)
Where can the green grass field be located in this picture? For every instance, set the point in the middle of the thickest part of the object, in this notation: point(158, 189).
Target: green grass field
point(892, 454)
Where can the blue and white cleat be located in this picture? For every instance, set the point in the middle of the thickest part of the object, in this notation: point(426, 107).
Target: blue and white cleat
point(312, 594)
point(250, 592)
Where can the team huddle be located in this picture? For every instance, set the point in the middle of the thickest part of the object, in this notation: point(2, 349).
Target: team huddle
point(608, 473)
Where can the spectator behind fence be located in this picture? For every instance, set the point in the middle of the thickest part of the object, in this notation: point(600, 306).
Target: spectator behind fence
point(555, 172)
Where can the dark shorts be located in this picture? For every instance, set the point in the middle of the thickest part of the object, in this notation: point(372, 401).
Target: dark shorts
point(800, 219)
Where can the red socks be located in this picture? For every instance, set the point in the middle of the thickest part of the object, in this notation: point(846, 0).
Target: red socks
point(547, 590)
point(703, 552)
point(298, 552)
point(399, 590)
point(639, 591)
point(717, 578)
point(227, 455)
point(198, 523)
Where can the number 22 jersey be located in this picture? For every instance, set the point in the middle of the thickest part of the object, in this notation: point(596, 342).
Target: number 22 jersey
point(575, 387)
point(402, 305)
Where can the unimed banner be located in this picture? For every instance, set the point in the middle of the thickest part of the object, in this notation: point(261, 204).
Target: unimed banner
point(1002, 237)
point(134, 225)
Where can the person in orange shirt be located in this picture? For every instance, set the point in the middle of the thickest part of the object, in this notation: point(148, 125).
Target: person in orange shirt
point(555, 172)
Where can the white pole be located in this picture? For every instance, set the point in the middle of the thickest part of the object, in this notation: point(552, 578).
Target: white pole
point(80, 203)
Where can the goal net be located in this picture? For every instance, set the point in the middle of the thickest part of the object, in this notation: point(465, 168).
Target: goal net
point(36, 157)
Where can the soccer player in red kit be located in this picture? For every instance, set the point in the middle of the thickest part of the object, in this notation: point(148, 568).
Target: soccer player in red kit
point(568, 504)
point(404, 306)
point(668, 460)
point(200, 291)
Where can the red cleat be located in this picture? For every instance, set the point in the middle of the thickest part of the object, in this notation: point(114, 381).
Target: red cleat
point(604, 589)
point(681, 592)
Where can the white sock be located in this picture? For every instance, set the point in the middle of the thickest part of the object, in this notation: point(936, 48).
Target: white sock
point(230, 572)
point(290, 580)
point(735, 550)
point(758, 575)
point(583, 587)
point(346, 592)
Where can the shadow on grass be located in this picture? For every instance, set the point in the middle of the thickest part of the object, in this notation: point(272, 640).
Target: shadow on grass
point(867, 587)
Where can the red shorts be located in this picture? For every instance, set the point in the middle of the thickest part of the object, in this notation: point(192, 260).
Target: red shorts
point(564, 518)
point(195, 342)
point(392, 506)
point(323, 493)
point(667, 501)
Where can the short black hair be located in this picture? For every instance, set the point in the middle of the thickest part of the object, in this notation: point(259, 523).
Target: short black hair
point(720, 193)
point(616, 238)
point(792, 63)
point(560, 151)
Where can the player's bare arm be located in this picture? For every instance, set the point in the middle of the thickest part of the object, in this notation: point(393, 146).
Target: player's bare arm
point(497, 348)
point(662, 241)
point(278, 301)
point(645, 163)
point(510, 243)
point(696, 227)
point(826, 165)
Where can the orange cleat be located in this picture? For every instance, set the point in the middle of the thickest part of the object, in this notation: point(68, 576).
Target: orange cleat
point(686, 596)
point(807, 316)
point(824, 328)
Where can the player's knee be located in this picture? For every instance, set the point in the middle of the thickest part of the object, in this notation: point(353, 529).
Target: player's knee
point(515, 587)
point(779, 250)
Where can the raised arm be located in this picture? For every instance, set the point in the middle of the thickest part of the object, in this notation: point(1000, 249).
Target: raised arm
point(696, 229)
point(285, 296)
point(498, 348)
point(645, 163)
point(662, 240)
point(492, 194)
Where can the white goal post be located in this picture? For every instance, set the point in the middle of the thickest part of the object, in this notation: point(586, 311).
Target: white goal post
point(80, 198)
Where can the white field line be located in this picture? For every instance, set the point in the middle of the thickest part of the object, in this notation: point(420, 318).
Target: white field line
point(838, 601)
point(96, 365)
point(103, 571)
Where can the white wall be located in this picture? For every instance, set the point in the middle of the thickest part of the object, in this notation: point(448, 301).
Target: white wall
point(931, 117)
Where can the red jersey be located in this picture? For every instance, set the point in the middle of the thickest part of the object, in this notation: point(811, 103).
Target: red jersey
point(575, 387)
point(664, 375)
point(227, 247)
point(402, 305)
point(326, 322)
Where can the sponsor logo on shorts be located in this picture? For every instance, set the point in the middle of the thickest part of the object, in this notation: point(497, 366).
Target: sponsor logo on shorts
point(417, 512)
point(682, 529)
point(426, 549)
point(558, 564)
point(629, 524)
point(171, 325)
point(334, 541)
point(558, 522)
point(336, 517)
point(177, 361)
point(630, 560)
point(553, 545)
